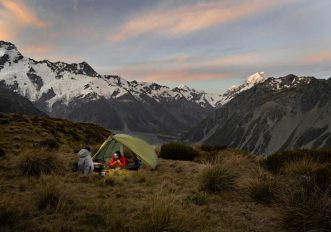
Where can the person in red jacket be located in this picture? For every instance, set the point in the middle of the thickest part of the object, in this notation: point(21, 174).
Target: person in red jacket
point(118, 160)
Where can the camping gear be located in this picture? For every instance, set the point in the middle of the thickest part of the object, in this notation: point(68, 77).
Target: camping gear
point(138, 146)
point(102, 170)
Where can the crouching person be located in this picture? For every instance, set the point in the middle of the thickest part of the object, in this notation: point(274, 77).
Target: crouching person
point(85, 163)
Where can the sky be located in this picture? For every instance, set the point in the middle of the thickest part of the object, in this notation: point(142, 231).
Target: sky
point(208, 45)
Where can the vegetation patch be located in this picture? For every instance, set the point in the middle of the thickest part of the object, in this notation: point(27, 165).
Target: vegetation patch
point(211, 148)
point(163, 215)
point(177, 151)
point(216, 178)
point(50, 144)
point(275, 162)
point(8, 216)
point(38, 163)
point(197, 199)
point(51, 196)
point(305, 166)
point(2, 152)
point(262, 189)
point(306, 209)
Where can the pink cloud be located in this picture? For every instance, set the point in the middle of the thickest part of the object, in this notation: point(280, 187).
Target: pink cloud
point(251, 58)
point(319, 57)
point(38, 49)
point(177, 75)
point(14, 16)
point(186, 19)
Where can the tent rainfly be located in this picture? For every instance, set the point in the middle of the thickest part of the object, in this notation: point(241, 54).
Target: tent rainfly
point(138, 146)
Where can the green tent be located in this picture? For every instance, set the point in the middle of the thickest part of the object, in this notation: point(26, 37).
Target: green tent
point(138, 146)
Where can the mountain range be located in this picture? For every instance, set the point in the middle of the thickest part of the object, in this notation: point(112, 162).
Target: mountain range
point(262, 116)
point(77, 92)
point(277, 114)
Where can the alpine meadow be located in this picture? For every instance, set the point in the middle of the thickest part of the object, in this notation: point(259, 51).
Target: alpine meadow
point(165, 116)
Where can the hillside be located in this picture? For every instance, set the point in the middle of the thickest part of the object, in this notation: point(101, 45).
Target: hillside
point(221, 190)
point(14, 103)
point(278, 114)
point(22, 132)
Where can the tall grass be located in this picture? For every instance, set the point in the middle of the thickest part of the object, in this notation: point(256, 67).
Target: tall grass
point(51, 195)
point(306, 209)
point(216, 178)
point(262, 189)
point(36, 163)
point(163, 215)
point(305, 166)
point(275, 162)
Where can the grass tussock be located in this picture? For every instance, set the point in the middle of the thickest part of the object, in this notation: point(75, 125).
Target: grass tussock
point(304, 166)
point(275, 162)
point(177, 151)
point(36, 163)
point(216, 179)
point(306, 209)
point(262, 189)
point(51, 195)
point(163, 215)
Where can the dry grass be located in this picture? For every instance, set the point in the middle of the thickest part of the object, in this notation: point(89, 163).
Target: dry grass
point(304, 166)
point(38, 162)
point(166, 199)
point(51, 194)
point(263, 188)
point(216, 178)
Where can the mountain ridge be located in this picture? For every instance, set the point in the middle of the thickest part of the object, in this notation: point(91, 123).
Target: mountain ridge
point(278, 114)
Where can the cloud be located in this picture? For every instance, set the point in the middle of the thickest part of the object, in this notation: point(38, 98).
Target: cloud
point(38, 49)
point(181, 76)
point(14, 16)
point(319, 57)
point(251, 58)
point(186, 19)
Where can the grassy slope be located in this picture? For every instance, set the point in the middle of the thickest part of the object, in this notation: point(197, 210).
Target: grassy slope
point(123, 201)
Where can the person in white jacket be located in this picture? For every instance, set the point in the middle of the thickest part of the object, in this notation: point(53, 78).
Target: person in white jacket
point(85, 163)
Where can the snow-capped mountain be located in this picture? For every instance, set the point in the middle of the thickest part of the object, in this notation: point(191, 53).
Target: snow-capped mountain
point(233, 91)
point(68, 81)
point(77, 92)
point(278, 114)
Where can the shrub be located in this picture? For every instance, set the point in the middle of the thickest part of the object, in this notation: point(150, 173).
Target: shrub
point(275, 162)
point(262, 189)
point(51, 196)
point(177, 151)
point(2, 152)
point(35, 164)
point(211, 148)
point(216, 179)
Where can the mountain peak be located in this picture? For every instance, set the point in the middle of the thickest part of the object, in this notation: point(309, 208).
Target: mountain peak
point(8, 53)
point(255, 78)
point(184, 87)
